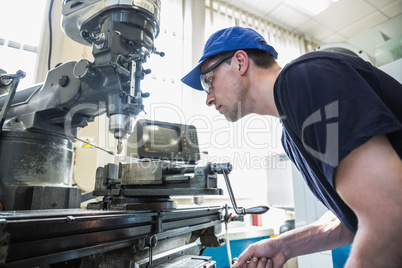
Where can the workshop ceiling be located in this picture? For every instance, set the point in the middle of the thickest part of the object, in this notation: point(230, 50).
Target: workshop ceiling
point(325, 21)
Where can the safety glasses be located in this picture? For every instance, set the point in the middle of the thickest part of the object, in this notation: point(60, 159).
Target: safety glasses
point(207, 75)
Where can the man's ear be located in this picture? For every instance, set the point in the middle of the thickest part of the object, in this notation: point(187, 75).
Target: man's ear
point(242, 61)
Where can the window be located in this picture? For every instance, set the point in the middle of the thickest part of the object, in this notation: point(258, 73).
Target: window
point(288, 44)
point(164, 83)
point(20, 36)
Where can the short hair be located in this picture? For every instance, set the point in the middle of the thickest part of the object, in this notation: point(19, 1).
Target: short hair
point(261, 58)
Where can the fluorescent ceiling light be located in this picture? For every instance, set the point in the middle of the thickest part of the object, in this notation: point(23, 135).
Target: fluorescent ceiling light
point(312, 7)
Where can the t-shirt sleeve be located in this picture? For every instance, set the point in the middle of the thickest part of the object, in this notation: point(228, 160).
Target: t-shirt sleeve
point(332, 107)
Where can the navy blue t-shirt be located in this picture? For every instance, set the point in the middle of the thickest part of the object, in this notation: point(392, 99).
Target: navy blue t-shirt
point(331, 103)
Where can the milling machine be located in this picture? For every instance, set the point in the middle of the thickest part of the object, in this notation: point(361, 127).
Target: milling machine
point(42, 121)
point(136, 224)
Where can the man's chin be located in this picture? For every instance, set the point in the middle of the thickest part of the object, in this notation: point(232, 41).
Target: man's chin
point(233, 118)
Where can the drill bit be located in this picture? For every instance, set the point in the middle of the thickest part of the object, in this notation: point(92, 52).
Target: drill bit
point(119, 146)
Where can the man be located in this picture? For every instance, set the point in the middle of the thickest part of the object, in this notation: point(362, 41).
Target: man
point(341, 127)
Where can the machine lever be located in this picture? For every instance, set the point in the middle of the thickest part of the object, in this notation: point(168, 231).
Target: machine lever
point(239, 211)
point(151, 243)
point(161, 53)
point(15, 79)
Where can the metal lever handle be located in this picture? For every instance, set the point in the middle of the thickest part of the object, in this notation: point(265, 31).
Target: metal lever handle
point(225, 169)
point(15, 79)
point(255, 210)
point(161, 53)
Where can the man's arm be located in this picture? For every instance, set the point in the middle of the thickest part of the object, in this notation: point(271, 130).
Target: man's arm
point(369, 180)
point(326, 233)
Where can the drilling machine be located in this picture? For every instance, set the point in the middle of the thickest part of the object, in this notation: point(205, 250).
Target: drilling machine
point(39, 127)
point(136, 224)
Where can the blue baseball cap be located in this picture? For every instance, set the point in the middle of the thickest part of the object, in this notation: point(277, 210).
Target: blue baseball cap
point(229, 39)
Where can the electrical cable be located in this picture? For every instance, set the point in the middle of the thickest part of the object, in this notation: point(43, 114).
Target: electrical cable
point(50, 34)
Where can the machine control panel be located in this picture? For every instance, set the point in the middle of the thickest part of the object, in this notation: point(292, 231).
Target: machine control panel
point(163, 140)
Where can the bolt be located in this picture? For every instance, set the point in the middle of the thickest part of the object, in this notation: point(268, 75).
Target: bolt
point(151, 241)
point(63, 80)
point(70, 219)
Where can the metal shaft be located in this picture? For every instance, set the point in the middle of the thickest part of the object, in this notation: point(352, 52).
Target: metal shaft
point(240, 211)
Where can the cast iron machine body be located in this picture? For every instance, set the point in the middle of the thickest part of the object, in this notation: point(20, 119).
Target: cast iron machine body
point(41, 222)
point(136, 224)
point(36, 150)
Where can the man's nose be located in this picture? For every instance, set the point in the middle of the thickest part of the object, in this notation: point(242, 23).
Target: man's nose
point(210, 99)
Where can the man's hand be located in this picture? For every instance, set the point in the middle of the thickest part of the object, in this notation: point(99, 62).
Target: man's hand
point(326, 233)
point(263, 254)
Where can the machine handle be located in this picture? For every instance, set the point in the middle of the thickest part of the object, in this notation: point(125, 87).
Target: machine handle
point(256, 210)
point(225, 169)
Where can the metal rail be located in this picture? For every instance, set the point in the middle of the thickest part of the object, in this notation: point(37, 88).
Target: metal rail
point(38, 237)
